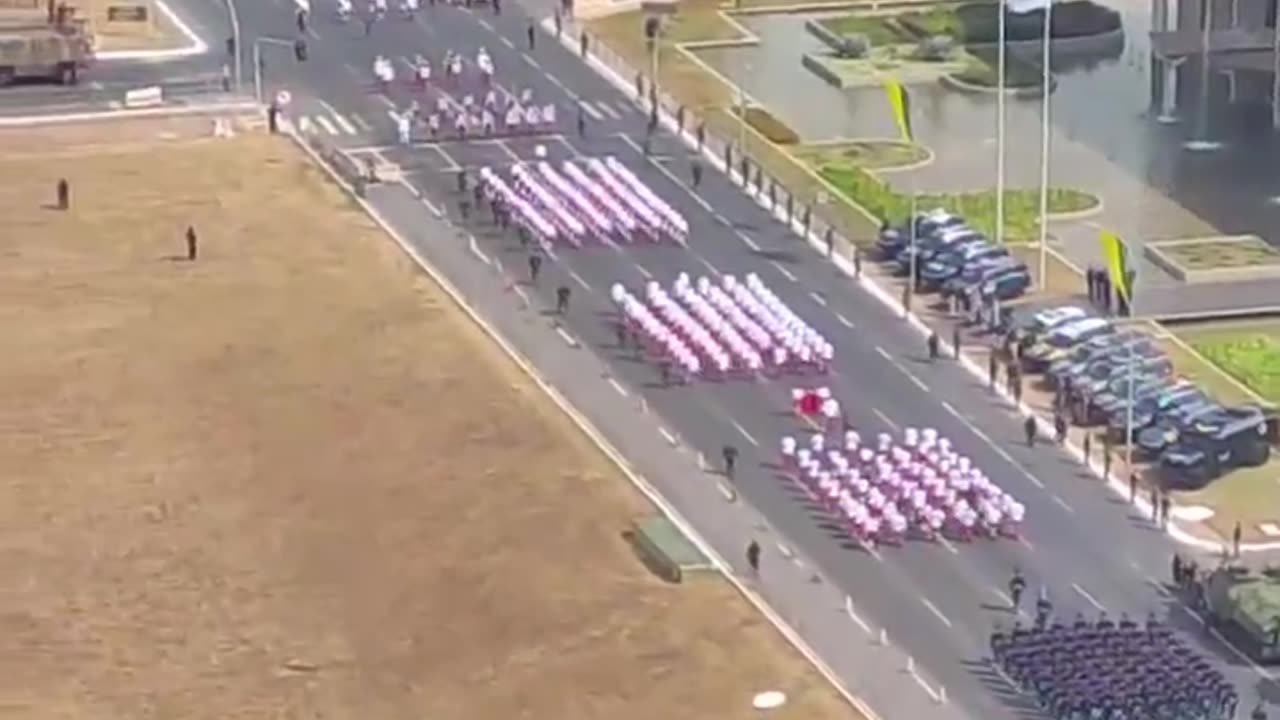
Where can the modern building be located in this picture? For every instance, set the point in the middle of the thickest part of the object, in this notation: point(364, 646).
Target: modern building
point(1227, 48)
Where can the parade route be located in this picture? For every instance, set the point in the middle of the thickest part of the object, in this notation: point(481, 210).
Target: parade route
point(1081, 543)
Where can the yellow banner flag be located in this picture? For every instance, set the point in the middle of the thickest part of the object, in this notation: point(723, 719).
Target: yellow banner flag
point(1113, 251)
point(900, 103)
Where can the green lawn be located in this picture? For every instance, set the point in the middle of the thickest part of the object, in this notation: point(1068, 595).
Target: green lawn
point(878, 29)
point(870, 154)
point(1021, 207)
point(1250, 354)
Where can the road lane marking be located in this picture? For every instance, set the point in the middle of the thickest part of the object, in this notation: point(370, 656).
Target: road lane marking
point(944, 542)
point(744, 433)
point(885, 418)
point(707, 264)
point(591, 110)
point(747, 239)
point(844, 321)
point(666, 435)
point(934, 609)
point(507, 42)
point(818, 299)
point(345, 124)
point(618, 386)
point(1088, 598)
point(901, 368)
point(323, 122)
point(785, 272)
point(983, 436)
point(530, 61)
point(578, 278)
point(643, 270)
point(523, 296)
point(853, 615)
point(567, 337)
point(1063, 504)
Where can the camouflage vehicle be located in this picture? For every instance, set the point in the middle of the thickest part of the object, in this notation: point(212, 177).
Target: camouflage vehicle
point(42, 51)
point(1245, 604)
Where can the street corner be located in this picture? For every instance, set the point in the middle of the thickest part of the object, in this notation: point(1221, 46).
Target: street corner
point(148, 30)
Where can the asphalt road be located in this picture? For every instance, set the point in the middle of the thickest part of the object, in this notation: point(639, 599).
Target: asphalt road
point(936, 601)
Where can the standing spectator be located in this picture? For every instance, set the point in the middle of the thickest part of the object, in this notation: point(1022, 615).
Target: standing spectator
point(193, 248)
point(695, 169)
point(1087, 447)
point(1133, 487)
point(562, 300)
point(532, 36)
point(932, 344)
point(1236, 533)
point(1155, 505)
point(753, 557)
point(730, 455)
point(955, 340)
point(583, 42)
point(993, 369)
point(1030, 429)
point(1165, 506)
point(535, 267)
point(64, 194)
point(582, 121)
point(1060, 427)
point(857, 251)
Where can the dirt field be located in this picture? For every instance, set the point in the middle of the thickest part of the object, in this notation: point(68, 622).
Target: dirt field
point(289, 480)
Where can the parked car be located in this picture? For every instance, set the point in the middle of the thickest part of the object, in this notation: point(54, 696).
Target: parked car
point(1147, 410)
point(1168, 428)
point(946, 265)
point(928, 247)
point(1062, 340)
point(1047, 320)
point(1203, 454)
point(1089, 352)
point(1115, 398)
point(1006, 285)
point(1147, 361)
point(892, 240)
point(968, 278)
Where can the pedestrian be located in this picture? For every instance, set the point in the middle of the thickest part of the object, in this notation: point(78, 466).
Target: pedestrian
point(932, 344)
point(301, 18)
point(993, 369)
point(1016, 585)
point(753, 557)
point(497, 7)
point(273, 118)
point(1087, 446)
point(730, 455)
point(857, 252)
point(462, 181)
point(1165, 505)
point(1236, 532)
point(562, 299)
point(1060, 428)
point(829, 238)
point(1133, 487)
point(193, 248)
point(955, 340)
point(535, 267)
point(1029, 427)
point(582, 121)
point(226, 77)
point(1155, 505)
point(64, 194)
point(695, 170)
point(531, 34)
point(582, 44)
point(1106, 463)
point(1177, 570)
point(464, 208)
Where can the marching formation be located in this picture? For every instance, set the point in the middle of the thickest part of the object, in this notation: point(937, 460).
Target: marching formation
point(887, 492)
point(718, 331)
point(1105, 670)
point(605, 203)
point(464, 99)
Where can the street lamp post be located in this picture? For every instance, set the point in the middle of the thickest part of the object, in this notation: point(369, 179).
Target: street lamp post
point(1000, 72)
point(235, 39)
point(1275, 67)
point(1044, 148)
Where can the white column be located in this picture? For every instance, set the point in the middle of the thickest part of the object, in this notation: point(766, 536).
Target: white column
point(1169, 91)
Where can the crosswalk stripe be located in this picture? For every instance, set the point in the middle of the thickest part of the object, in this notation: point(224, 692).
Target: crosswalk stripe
point(323, 122)
point(592, 111)
point(345, 124)
point(609, 110)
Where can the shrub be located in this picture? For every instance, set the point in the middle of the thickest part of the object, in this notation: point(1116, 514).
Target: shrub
point(853, 46)
point(769, 126)
point(936, 48)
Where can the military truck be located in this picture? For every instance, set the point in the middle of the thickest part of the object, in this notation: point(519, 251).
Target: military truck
point(1245, 604)
point(44, 51)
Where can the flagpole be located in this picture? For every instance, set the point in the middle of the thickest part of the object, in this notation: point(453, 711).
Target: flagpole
point(1000, 88)
point(1044, 149)
point(911, 276)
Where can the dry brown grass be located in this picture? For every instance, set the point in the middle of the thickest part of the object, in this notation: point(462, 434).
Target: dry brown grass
point(290, 480)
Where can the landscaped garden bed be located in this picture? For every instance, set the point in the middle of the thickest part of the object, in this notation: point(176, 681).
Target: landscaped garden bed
point(1216, 259)
point(1021, 207)
point(769, 126)
point(870, 154)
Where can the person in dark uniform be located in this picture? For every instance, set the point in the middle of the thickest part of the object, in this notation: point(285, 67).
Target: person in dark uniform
point(1086, 447)
point(464, 209)
point(857, 251)
point(1017, 584)
point(1178, 570)
point(1060, 428)
point(535, 267)
point(1044, 609)
point(753, 557)
point(462, 181)
point(193, 248)
point(730, 455)
point(1165, 505)
point(532, 35)
point(582, 121)
point(1030, 429)
point(932, 344)
point(64, 194)
point(955, 340)
point(695, 170)
point(993, 368)
point(562, 299)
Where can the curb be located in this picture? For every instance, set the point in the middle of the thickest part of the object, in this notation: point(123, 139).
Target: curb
point(194, 46)
point(65, 118)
